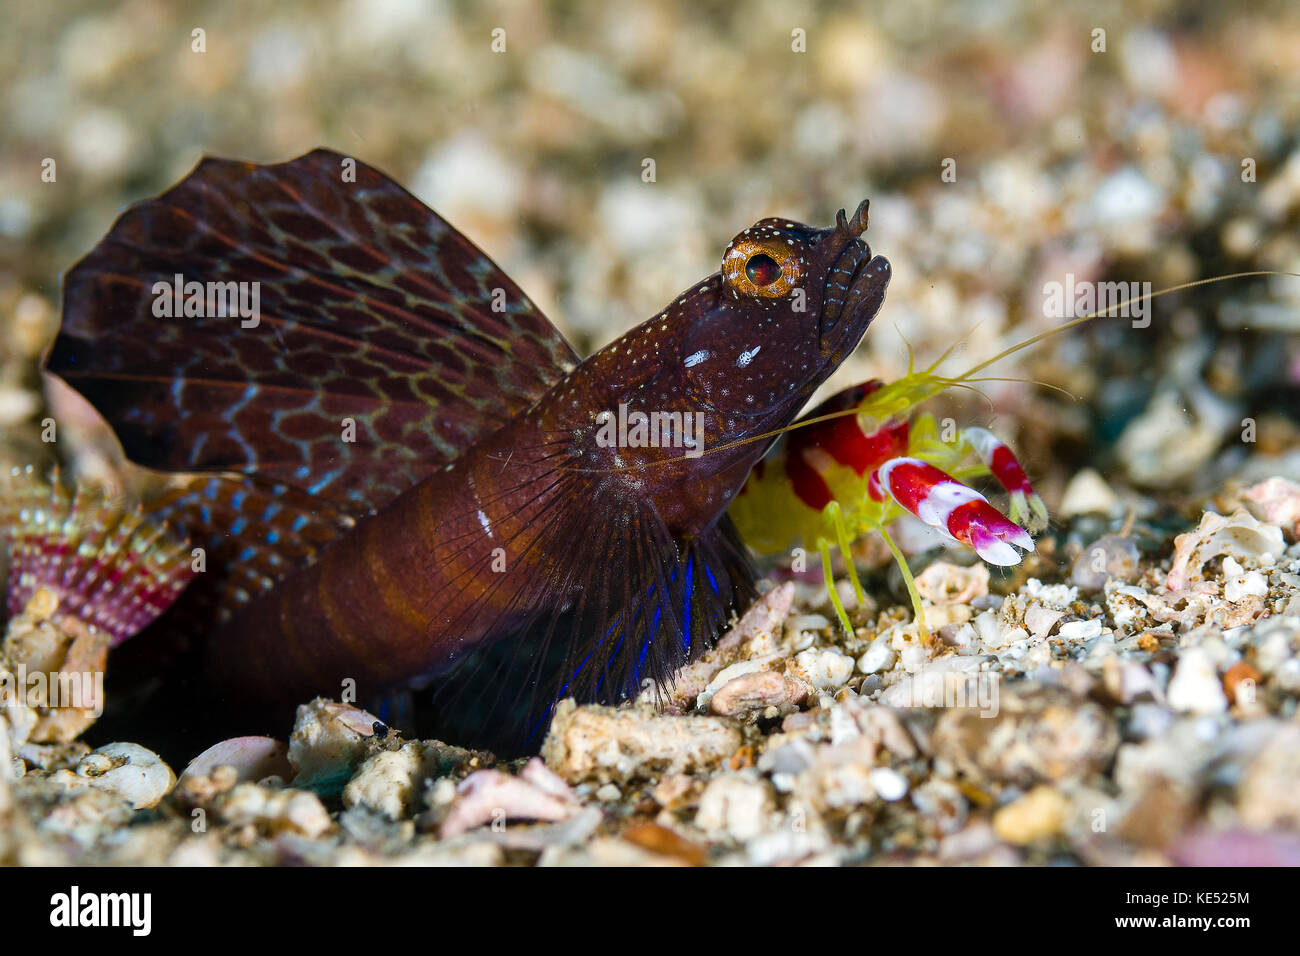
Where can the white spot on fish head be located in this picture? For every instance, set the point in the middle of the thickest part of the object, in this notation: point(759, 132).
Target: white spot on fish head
point(695, 358)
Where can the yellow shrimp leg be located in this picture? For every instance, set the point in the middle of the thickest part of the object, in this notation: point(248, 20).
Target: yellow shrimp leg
point(917, 607)
point(829, 578)
point(836, 515)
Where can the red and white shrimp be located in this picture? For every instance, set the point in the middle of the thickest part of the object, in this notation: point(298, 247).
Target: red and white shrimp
point(863, 459)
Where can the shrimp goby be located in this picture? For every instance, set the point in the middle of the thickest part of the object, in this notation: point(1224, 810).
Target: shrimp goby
point(402, 475)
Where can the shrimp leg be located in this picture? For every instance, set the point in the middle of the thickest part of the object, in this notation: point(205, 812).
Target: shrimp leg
point(1027, 507)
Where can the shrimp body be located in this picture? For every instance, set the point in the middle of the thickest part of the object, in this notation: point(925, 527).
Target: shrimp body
point(865, 458)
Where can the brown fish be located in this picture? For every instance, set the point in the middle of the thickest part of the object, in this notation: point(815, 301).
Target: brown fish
point(409, 475)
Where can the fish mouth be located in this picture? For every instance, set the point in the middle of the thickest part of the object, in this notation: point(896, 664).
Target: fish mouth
point(853, 293)
point(855, 285)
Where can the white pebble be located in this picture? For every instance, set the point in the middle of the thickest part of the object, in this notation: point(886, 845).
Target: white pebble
point(1195, 686)
point(1080, 630)
point(608, 793)
point(889, 784)
point(824, 668)
point(388, 782)
point(879, 657)
point(735, 806)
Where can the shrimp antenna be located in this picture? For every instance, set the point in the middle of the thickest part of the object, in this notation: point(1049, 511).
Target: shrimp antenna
point(1194, 283)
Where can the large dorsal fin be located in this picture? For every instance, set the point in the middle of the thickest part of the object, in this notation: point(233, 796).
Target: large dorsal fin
point(371, 308)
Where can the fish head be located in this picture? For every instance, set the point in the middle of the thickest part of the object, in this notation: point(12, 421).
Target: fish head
point(789, 305)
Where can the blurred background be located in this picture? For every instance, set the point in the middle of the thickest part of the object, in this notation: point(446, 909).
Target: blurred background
point(1102, 140)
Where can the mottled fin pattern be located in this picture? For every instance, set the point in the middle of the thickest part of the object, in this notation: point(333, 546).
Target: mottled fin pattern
point(109, 565)
point(251, 533)
point(370, 310)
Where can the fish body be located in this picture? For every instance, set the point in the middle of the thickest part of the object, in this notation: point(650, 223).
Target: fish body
point(485, 503)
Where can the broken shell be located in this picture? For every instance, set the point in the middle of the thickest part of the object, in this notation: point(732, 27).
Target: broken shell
point(824, 668)
point(1239, 535)
point(753, 693)
point(253, 759)
point(493, 796)
point(128, 770)
point(763, 622)
point(946, 583)
point(1276, 501)
point(1038, 815)
point(734, 806)
point(298, 811)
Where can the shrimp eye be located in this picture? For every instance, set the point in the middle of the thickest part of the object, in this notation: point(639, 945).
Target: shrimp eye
point(761, 268)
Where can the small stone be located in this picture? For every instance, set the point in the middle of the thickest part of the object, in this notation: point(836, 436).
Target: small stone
point(1195, 687)
point(1267, 792)
point(1241, 683)
point(608, 744)
point(1161, 811)
point(1035, 734)
point(1087, 493)
point(734, 806)
point(1127, 681)
point(879, 657)
point(305, 813)
point(608, 793)
point(671, 791)
point(942, 802)
point(1239, 584)
point(751, 694)
point(823, 668)
point(1038, 815)
point(274, 811)
point(1040, 620)
point(1080, 630)
point(389, 781)
point(327, 743)
point(1110, 558)
point(889, 784)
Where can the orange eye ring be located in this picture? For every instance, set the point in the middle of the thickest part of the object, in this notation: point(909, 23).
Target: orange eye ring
point(763, 270)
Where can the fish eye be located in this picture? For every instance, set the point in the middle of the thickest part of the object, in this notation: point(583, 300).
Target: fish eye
point(761, 268)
